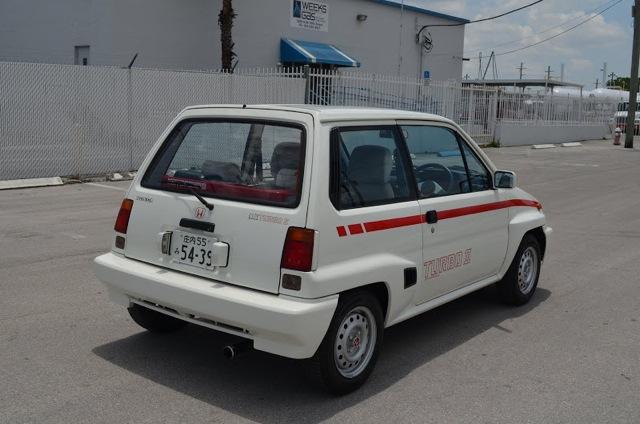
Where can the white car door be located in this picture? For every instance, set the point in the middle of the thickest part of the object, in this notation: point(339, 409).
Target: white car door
point(465, 231)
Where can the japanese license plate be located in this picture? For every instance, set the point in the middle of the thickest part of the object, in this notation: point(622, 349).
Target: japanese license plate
point(192, 249)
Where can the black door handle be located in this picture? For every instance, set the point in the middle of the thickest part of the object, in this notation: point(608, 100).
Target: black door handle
point(432, 217)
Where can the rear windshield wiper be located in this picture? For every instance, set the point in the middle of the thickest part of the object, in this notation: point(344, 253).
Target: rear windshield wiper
point(191, 188)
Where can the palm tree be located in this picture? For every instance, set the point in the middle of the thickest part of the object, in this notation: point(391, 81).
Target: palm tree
point(225, 21)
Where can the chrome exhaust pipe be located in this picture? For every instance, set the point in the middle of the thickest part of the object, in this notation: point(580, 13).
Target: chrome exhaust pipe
point(232, 351)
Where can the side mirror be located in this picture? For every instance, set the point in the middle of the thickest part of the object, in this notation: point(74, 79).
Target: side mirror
point(504, 179)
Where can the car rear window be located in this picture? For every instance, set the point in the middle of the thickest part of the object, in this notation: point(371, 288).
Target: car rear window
point(248, 161)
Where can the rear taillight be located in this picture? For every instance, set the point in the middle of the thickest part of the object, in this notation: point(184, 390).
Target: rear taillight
point(298, 249)
point(122, 221)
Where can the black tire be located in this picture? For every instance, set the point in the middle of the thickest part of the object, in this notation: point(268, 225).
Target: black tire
point(154, 321)
point(323, 367)
point(516, 287)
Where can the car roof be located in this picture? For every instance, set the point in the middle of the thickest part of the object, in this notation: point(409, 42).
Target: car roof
point(335, 113)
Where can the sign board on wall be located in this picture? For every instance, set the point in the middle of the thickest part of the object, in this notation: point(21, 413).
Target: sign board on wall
point(310, 14)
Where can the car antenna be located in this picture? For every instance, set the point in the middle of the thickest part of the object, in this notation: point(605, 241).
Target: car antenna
point(244, 106)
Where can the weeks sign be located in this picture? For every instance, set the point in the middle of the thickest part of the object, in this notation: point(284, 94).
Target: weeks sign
point(310, 14)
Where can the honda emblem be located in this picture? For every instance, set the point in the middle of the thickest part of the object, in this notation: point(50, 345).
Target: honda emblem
point(200, 212)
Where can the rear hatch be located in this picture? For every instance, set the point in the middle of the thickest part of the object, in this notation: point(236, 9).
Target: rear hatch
point(219, 194)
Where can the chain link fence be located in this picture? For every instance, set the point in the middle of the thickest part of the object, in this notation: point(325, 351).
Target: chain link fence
point(472, 108)
point(477, 109)
point(83, 120)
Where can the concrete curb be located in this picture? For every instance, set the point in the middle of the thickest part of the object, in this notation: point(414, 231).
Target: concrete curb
point(573, 144)
point(543, 146)
point(30, 182)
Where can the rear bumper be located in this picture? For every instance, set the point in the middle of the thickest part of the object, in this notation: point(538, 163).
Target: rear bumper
point(277, 324)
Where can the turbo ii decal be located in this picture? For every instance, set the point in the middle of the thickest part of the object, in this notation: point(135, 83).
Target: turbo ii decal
point(434, 267)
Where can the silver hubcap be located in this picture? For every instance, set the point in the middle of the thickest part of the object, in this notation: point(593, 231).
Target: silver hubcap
point(527, 270)
point(355, 341)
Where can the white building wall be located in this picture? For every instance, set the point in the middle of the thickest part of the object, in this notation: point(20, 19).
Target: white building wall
point(179, 34)
point(513, 133)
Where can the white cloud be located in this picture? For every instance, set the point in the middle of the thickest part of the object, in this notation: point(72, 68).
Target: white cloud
point(582, 50)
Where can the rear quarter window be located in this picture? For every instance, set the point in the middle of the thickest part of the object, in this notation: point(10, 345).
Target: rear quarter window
point(249, 161)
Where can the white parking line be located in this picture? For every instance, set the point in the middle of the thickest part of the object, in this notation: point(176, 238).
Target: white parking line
point(106, 186)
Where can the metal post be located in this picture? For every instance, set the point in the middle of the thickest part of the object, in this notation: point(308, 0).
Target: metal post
point(307, 85)
point(633, 89)
point(580, 106)
point(494, 113)
point(129, 117)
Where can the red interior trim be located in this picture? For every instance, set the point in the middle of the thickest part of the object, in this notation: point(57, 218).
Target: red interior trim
point(209, 187)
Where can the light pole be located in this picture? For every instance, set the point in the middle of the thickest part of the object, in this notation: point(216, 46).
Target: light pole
point(633, 84)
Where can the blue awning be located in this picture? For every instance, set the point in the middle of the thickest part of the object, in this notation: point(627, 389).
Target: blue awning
point(306, 52)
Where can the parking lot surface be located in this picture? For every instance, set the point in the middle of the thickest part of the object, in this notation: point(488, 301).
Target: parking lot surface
point(68, 355)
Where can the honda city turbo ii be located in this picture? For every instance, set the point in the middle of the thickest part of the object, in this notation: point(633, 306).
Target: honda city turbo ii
point(309, 230)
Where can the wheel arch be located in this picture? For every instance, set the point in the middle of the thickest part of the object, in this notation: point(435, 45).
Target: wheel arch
point(522, 223)
point(541, 237)
point(380, 291)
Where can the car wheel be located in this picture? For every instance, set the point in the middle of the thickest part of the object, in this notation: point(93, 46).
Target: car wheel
point(349, 350)
point(521, 280)
point(154, 321)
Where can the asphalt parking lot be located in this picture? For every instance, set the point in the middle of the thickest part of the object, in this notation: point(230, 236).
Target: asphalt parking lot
point(572, 355)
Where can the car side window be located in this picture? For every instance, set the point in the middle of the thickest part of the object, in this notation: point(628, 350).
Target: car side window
point(368, 167)
point(438, 163)
point(479, 176)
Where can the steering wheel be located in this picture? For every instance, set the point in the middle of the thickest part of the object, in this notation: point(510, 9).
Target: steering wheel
point(435, 172)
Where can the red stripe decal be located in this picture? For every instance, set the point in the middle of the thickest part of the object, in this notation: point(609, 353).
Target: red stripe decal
point(471, 210)
point(524, 202)
point(355, 229)
point(387, 224)
point(405, 221)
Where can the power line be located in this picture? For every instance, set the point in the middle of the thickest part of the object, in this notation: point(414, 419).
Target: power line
point(558, 34)
point(477, 20)
point(548, 29)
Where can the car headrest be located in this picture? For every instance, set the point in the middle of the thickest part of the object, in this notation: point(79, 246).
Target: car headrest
point(285, 155)
point(223, 171)
point(370, 165)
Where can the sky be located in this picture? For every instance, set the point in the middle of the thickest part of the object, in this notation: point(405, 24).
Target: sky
point(606, 38)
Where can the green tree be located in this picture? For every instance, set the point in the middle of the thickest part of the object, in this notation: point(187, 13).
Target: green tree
point(621, 82)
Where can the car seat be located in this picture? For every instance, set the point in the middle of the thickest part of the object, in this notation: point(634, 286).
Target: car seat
point(369, 173)
point(285, 163)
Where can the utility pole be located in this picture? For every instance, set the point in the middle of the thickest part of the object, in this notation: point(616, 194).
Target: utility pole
point(613, 76)
point(604, 74)
point(548, 72)
point(521, 68)
point(562, 72)
point(597, 82)
point(633, 89)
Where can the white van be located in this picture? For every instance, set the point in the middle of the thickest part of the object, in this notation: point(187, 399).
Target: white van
point(308, 230)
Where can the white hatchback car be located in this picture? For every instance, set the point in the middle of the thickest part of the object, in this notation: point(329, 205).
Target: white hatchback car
point(308, 230)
